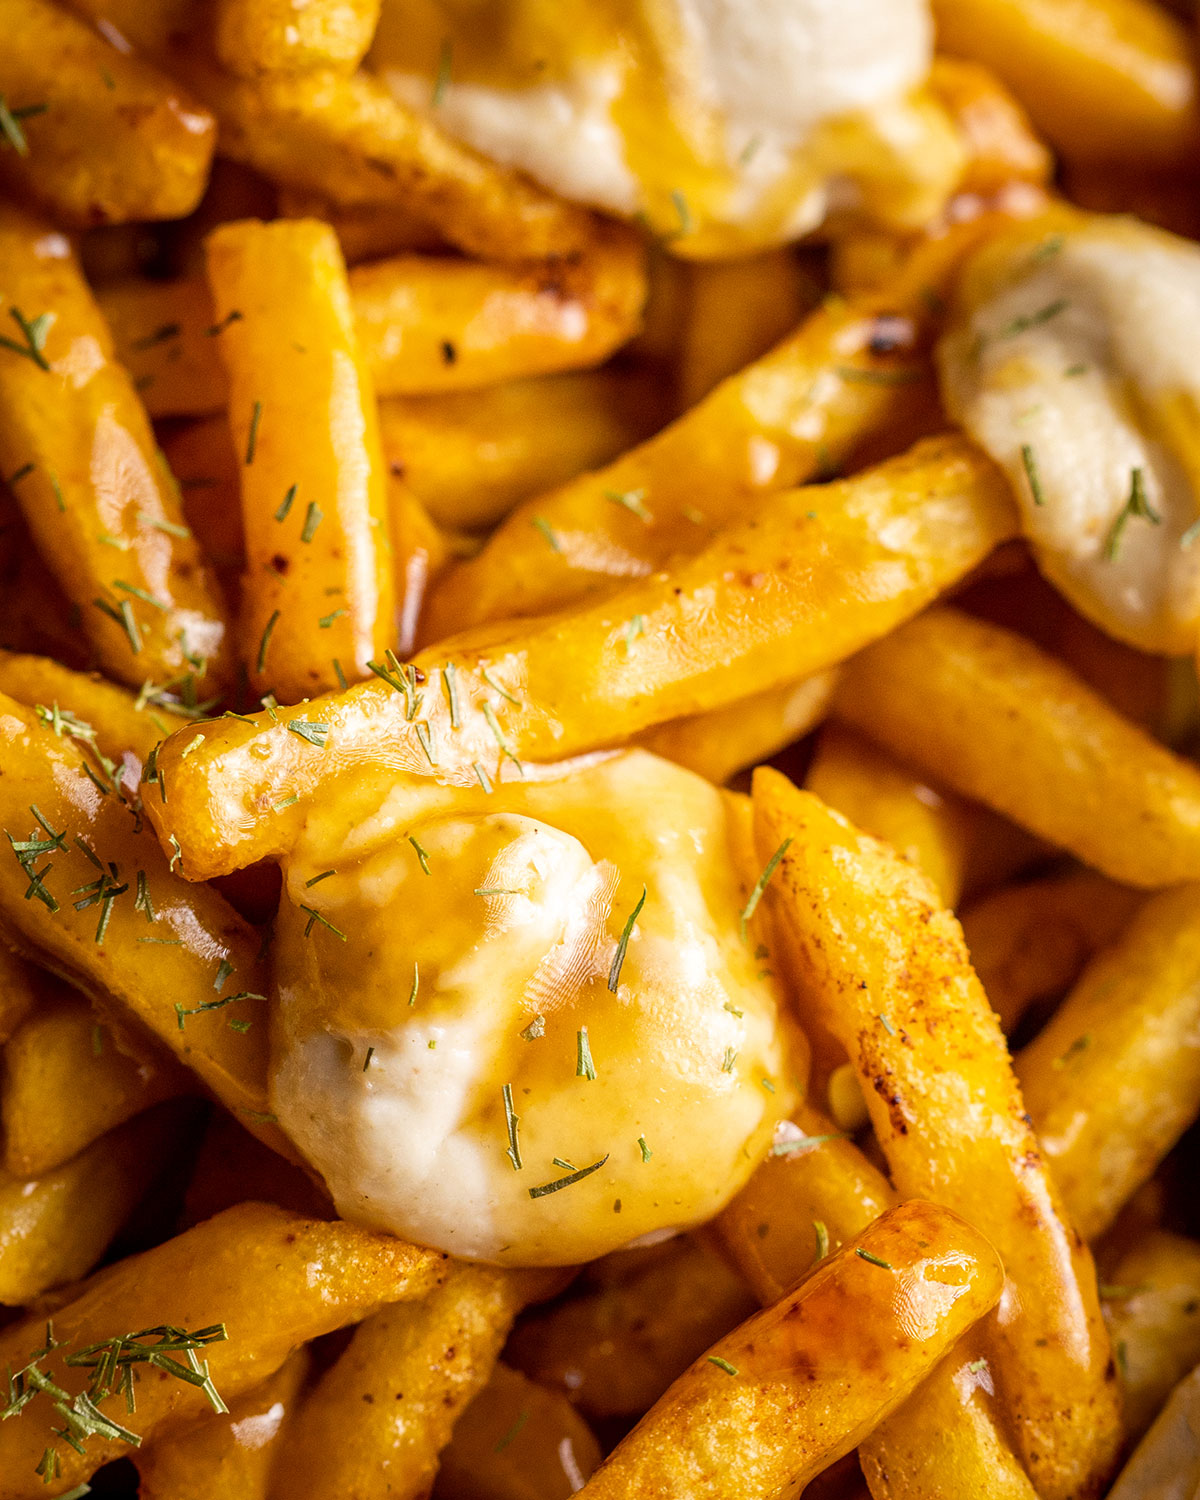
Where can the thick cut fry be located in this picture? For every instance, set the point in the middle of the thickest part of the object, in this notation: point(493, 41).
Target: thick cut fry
point(99, 137)
point(807, 578)
point(165, 336)
point(1153, 1312)
point(62, 1053)
point(615, 1350)
point(55, 1228)
point(992, 716)
point(517, 1441)
point(407, 1374)
point(228, 1456)
point(895, 982)
point(319, 597)
point(98, 498)
point(931, 829)
point(203, 461)
point(144, 947)
point(725, 741)
point(471, 456)
point(1030, 942)
point(274, 1280)
point(291, 36)
point(786, 1394)
point(1113, 1079)
point(1105, 80)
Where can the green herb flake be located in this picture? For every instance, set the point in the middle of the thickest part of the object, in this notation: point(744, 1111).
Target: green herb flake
point(535, 1029)
point(821, 1234)
point(285, 504)
point(722, 1364)
point(10, 124)
point(541, 524)
point(614, 973)
point(559, 1183)
point(315, 916)
point(804, 1143)
point(763, 881)
point(874, 1260)
point(34, 332)
point(266, 641)
point(511, 1120)
point(416, 984)
point(512, 1433)
point(442, 80)
point(313, 517)
point(1137, 505)
point(421, 854)
point(314, 732)
point(252, 438)
point(584, 1066)
point(1032, 476)
point(728, 1061)
point(644, 1149)
point(632, 501)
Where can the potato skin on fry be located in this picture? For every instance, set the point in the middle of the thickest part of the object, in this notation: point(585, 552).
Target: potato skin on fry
point(798, 1393)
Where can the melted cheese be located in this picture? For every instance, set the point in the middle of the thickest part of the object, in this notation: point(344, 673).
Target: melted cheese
point(729, 126)
point(1072, 360)
point(485, 972)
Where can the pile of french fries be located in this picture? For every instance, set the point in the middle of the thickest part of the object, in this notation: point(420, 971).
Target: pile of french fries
point(336, 459)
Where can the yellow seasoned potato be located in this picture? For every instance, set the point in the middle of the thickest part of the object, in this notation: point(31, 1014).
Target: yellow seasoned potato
point(292, 36)
point(1152, 1304)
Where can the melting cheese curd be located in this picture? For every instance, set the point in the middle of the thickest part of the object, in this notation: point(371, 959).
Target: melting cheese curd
point(728, 125)
point(1071, 359)
point(524, 1026)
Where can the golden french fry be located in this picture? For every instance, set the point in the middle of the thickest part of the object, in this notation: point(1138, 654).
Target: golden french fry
point(420, 1364)
point(62, 1052)
point(1105, 80)
point(897, 986)
point(228, 1456)
point(517, 1441)
point(994, 717)
point(81, 458)
point(1030, 942)
point(55, 1228)
point(806, 579)
point(319, 597)
point(727, 740)
point(784, 1395)
point(291, 36)
point(1001, 146)
point(272, 1280)
point(616, 1349)
point(202, 458)
point(97, 136)
point(1113, 1079)
point(165, 336)
point(470, 456)
point(1153, 1309)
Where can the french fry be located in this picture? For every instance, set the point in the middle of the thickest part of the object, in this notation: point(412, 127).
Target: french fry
point(166, 337)
point(62, 1052)
point(615, 1349)
point(420, 553)
point(136, 941)
point(999, 720)
point(54, 1229)
point(98, 499)
point(228, 1456)
point(784, 1395)
point(724, 741)
point(98, 136)
point(1001, 146)
point(271, 1279)
point(807, 578)
point(1153, 1312)
point(1030, 942)
point(517, 1441)
point(1104, 80)
point(1113, 1079)
point(1166, 1462)
point(420, 1364)
point(292, 36)
point(470, 456)
point(18, 991)
point(202, 458)
point(319, 599)
point(897, 986)
point(151, 27)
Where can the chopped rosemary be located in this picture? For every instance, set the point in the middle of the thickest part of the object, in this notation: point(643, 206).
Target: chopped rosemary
point(1137, 505)
point(285, 504)
point(224, 970)
point(139, 593)
point(495, 686)
point(367, 1059)
point(327, 620)
point(416, 984)
point(311, 730)
point(1027, 321)
point(559, 1183)
point(315, 916)
point(217, 328)
point(874, 1260)
point(1190, 536)
point(614, 973)
point(541, 524)
point(181, 1012)
point(10, 123)
point(584, 1066)
point(266, 641)
point(763, 880)
point(1029, 464)
point(421, 853)
point(34, 332)
point(316, 880)
point(442, 81)
point(450, 682)
point(722, 1364)
point(632, 500)
point(636, 627)
point(728, 1061)
point(122, 616)
point(535, 1029)
point(822, 1238)
point(804, 1143)
point(511, 1120)
point(680, 204)
point(886, 1024)
point(252, 439)
point(313, 517)
point(644, 1149)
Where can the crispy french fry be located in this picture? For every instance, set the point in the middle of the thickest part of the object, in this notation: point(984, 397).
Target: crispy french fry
point(784, 1395)
point(18, 991)
point(1153, 1311)
point(898, 988)
point(1001, 146)
point(97, 498)
point(517, 1441)
point(727, 740)
point(165, 336)
point(420, 1364)
point(616, 1349)
point(931, 829)
point(1113, 1079)
point(1105, 80)
point(807, 578)
point(291, 36)
point(228, 1456)
point(99, 136)
point(273, 1279)
point(54, 1229)
point(992, 716)
point(60, 1053)
point(144, 946)
point(319, 599)
point(470, 456)
point(1030, 942)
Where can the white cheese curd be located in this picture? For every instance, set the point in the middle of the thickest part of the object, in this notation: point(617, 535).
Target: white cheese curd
point(1071, 359)
point(726, 124)
point(475, 1035)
